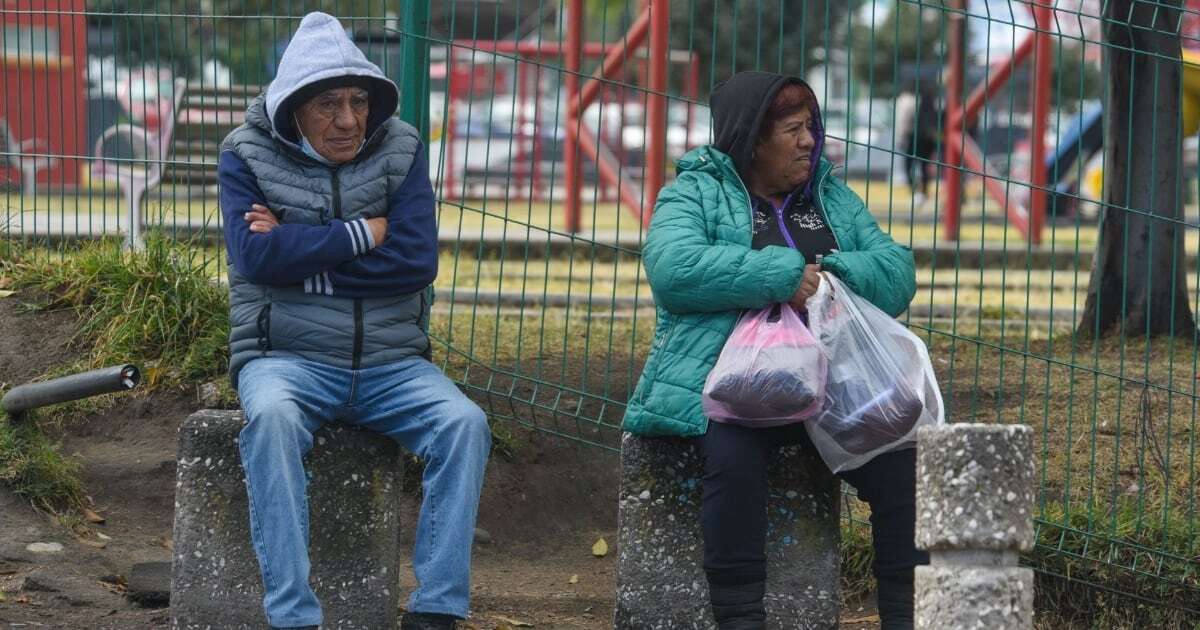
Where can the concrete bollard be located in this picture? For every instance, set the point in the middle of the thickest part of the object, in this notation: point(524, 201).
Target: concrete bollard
point(975, 497)
point(354, 500)
point(660, 578)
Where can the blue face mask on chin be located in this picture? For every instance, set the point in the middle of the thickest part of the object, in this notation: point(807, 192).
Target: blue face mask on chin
point(311, 151)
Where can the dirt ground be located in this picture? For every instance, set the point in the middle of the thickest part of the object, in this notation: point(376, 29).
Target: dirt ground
point(543, 509)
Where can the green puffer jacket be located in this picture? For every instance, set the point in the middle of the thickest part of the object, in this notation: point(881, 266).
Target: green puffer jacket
point(703, 274)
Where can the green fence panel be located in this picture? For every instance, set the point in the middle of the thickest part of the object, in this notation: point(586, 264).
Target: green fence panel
point(114, 110)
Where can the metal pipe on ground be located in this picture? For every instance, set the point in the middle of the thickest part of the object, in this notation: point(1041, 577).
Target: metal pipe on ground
point(108, 380)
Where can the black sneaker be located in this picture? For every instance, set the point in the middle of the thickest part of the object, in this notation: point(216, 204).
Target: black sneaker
point(427, 621)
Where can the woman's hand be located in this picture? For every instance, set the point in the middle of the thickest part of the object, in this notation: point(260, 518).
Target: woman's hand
point(808, 286)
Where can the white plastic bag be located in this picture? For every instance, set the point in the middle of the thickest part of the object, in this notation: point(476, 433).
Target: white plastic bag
point(771, 372)
point(881, 386)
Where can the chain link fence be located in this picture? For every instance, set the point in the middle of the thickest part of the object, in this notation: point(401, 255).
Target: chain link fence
point(1038, 157)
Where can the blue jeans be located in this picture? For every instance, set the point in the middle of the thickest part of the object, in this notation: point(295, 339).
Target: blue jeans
point(412, 402)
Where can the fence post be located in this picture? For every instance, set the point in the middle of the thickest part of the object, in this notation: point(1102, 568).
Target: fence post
point(975, 497)
point(414, 71)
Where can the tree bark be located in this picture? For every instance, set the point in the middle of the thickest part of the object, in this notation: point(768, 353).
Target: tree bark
point(1138, 283)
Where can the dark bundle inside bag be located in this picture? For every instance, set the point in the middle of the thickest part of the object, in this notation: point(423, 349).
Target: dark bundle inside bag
point(888, 415)
point(771, 371)
point(776, 387)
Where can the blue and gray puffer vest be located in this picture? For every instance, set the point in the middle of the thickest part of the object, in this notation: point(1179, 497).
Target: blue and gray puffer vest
point(273, 321)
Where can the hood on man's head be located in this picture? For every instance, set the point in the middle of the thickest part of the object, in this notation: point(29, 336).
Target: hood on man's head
point(739, 106)
point(321, 56)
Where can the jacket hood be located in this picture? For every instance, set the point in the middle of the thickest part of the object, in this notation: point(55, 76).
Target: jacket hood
point(738, 107)
point(321, 56)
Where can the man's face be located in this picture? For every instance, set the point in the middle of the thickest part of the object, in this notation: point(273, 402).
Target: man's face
point(783, 160)
point(335, 122)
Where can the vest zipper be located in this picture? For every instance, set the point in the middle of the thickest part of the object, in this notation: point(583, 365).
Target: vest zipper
point(356, 360)
point(337, 196)
point(358, 334)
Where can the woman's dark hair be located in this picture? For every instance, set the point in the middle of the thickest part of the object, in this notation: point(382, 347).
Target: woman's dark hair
point(790, 99)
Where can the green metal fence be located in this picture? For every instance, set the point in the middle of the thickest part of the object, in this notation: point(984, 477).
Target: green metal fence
point(543, 312)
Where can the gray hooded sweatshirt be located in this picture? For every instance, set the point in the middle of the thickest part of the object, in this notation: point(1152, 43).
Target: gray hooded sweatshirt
point(309, 320)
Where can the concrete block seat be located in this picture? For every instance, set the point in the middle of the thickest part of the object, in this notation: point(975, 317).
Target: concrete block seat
point(354, 501)
point(660, 577)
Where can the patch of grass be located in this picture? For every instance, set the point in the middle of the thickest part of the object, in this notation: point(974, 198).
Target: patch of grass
point(156, 309)
point(153, 309)
point(857, 551)
point(1109, 577)
point(32, 466)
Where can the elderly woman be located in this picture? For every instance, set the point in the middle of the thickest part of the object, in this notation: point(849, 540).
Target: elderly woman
point(332, 241)
point(740, 228)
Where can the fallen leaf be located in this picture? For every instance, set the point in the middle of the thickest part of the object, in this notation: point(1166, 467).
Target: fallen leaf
point(2, 597)
point(512, 622)
point(600, 549)
point(92, 517)
point(103, 536)
point(5, 282)
point(573, 580)
point(24, 599)
point(6, 293)
point(98, 544)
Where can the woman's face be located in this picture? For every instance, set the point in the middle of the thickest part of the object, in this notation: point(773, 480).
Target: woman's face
point(783, 160)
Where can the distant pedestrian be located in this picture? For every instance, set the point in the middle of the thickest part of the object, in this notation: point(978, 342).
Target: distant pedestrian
point(917, 130)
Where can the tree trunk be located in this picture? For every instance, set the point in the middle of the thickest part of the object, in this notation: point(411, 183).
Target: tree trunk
point(1139, 283)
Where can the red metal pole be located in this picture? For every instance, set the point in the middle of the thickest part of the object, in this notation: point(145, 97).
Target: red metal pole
point(613, 62)
point(448, 165)
point(522, 138)
point(953, 132)
point(536, 177)
point(997, 76)
point(692, 90)
point(656, 108)
point(1041, 111)
point(574, 120)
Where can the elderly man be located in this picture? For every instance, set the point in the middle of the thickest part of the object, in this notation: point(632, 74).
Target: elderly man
point(329, 224)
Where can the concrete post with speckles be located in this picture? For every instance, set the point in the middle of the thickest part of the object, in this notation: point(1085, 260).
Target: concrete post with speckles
point(660, 576)
point(354, 499)
point(975, 497)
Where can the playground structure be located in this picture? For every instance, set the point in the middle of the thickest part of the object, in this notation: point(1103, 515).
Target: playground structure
point(604, 148)
point(1066, 177)
point(512, 155)
point(147, 141)
point(961, 150)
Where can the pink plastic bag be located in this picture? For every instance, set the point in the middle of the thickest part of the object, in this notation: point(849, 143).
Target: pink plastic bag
point(771, 372)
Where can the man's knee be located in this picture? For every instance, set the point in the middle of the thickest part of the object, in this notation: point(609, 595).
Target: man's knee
point(281, 422)
point(464, 425)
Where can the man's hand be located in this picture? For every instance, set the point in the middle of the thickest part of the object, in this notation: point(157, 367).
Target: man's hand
point(808, 286)
point(378, 227)
point(260, 219)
